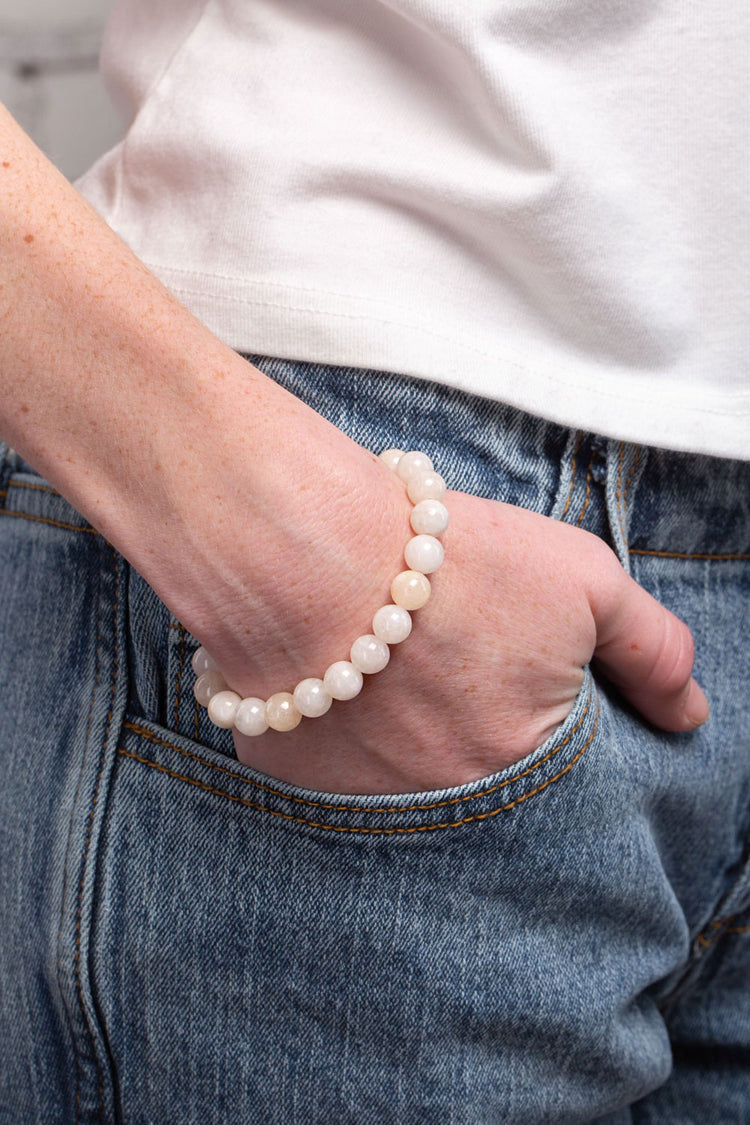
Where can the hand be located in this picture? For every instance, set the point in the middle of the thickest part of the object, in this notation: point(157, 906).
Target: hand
point(274, 538)
point(494, 662)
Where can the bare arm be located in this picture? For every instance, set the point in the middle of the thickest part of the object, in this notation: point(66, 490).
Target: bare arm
point(183, 455)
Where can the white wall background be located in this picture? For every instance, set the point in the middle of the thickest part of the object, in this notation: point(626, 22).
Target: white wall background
point(49, 78)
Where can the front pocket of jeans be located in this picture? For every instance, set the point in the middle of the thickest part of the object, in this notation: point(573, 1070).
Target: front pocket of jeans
point(184, 761)
point(423, 927)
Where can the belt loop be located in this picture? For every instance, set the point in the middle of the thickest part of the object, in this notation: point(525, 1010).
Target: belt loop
point(625, 464)
point(567, 476)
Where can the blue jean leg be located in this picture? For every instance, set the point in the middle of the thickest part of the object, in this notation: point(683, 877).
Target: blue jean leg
point(184, 939)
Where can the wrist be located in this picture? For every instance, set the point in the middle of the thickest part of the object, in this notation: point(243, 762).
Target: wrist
point(370, 652)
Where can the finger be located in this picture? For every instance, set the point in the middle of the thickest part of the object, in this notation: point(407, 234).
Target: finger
point(647, 653)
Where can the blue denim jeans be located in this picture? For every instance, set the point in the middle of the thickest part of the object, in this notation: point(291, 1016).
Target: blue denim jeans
point(185, 940)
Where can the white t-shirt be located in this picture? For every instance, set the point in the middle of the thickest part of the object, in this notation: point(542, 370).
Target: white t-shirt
point(540, 201)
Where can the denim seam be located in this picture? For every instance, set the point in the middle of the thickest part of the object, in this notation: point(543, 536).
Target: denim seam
point(622, 494)
point(85, 856)
point(51, 522)
point(363, 831)
point(618, 495)
point(32, 487)
point(587, 496)
point(721, 925)
point(97, 673)
point(631, 474)
point(178, 677)
point(687, 555)
point(579, 439)
point(143, 732)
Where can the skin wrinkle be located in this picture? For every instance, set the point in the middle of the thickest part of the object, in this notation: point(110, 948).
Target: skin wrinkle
point(233, 546)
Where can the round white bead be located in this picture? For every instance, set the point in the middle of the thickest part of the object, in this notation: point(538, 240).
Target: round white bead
point(202, 661)
point(311, 698)
point(369, 654)
point(222, 708)
point(424, 553)
point(392, 624)
point(281, 714)
point(342, 680)
point(410, 589)
point(208, 684)
point(427, 486)
point(429, 517)
point(413, 464)
point(250, 716)
point(391, 458)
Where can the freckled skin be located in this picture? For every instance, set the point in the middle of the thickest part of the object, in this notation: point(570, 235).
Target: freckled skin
point(106, 381)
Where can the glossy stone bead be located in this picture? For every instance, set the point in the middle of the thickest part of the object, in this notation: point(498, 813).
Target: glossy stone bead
point(281, 713)
point(222, 708)
point(392, 624)
point(250, 716)
point(342, 680)
point(410, 589)
point(202, 661)
point(429, 517)
point(426, 486)
point(424, 553)
point(311, 698)
point(413, 464)
point(208, 684)
point(391, 458)
point(369, 655)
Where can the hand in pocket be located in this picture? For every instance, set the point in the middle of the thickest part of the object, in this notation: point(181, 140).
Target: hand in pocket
point(494, 662)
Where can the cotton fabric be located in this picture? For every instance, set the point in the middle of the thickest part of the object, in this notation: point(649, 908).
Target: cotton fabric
point(541, 201)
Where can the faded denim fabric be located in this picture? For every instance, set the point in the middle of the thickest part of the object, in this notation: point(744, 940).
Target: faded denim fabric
point(183, 940)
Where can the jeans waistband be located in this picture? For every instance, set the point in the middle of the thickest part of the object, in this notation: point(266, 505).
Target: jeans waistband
point(645, 499)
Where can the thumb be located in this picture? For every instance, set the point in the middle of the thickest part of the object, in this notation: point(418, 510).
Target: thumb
point(647, 653)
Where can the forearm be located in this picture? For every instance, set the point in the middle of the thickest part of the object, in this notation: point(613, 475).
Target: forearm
point(274, 538)
point(167, 441)
point(93, 349)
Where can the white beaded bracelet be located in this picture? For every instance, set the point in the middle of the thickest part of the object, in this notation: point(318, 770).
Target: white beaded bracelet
point(370, 653)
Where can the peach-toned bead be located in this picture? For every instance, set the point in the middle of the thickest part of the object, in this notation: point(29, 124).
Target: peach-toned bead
point(410, 589)
point(281, 713)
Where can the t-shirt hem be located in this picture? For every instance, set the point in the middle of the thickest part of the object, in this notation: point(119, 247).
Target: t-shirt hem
point(302, 325)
